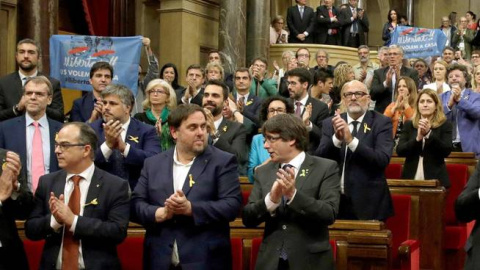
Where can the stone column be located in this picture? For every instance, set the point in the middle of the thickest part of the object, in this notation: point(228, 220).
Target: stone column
point(410, 11)
point(38, 20)
point(258, 27)
point(232, 35)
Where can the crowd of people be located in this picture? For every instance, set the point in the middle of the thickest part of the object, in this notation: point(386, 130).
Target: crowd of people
point(314, 141)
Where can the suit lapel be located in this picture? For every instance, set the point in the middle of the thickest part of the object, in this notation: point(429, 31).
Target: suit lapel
point(52, 128)
point(132, 137)
point(223, 127)
point(22, 130)
point(18, 85)
point(196, 170)
point(365, 126)
point(303, 172)
point(59, 184)
point(93, 191)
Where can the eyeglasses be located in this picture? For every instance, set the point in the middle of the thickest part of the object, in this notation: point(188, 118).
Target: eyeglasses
point(63, 146)
point(271, 139)
point(259, 66)
point(357, 94)
point(277, 110)
point(303, 55)
point(157, 92)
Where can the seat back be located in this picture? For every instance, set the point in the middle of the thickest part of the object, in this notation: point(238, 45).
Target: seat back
point(399, 224)
point(458, 175)
point(393, 171)
point(130, 252)
point(237, 253)
point(34, 250)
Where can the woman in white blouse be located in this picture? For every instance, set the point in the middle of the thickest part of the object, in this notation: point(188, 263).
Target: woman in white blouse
point(440, 78)
point(278, 35)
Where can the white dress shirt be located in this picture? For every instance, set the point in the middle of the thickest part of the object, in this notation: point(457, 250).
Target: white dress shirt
point(107, 151)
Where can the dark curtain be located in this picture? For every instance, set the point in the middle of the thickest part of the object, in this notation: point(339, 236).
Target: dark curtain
point(97, 15)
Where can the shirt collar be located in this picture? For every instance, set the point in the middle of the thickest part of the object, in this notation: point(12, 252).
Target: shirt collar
point(218, 122)
point(240, 95)
point(360, 119)
point(43, 121)
point(23, 76)
point(178, 163)
point(87, 174)
point(126, 124)
point(296, 161)
point(303, 100)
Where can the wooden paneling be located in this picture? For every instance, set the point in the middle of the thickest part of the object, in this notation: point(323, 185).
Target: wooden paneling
point(8, 32)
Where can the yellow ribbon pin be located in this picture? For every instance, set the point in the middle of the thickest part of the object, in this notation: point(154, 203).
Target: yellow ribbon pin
point(4, 166)
point(304, 173)
point(93, 202)
point(365, 128)
point(191, 182)
point(225, 129)
point(131, 138)
point(248, 103)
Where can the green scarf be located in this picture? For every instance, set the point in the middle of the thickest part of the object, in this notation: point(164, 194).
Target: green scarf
point(166, 140)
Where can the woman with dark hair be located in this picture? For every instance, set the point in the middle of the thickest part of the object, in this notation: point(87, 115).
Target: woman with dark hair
point(169, 73)
point(389, 27)
point(426, 141)
point(258, 156)
point(424, 73)
point(471, 17)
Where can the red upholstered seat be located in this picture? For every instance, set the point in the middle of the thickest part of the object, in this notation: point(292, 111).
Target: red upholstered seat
point(245, 195)
point(130, 253)
point(34, 251)
point(393, 171)
point(455, 234)
point(405, 251)
point(237, 253)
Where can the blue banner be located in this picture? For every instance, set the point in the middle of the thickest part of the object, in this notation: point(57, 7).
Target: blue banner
point(419, 42)
point(71, 58)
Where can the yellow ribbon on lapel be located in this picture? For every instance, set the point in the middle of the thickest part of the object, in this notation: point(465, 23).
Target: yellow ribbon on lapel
point(225, 129)
point(191, 182)
point(131, 138)
point(365, 128)
point(93, 202)
point(248, 102)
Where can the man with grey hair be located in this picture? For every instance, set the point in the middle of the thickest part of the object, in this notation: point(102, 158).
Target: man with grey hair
point(448, 29)
point(32, 134)
point(382, 56)
point(322, 58)
point(364, 70)
point(385, 79)
point(11, 86)
point(124, 141)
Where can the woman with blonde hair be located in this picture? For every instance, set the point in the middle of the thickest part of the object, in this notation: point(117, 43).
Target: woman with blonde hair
point(278, 35)
point(159, 102)
point(426, 140)
point(476, 79)
point(402, 109)
point(342, 74)
point(439, 77)
point(214, 71)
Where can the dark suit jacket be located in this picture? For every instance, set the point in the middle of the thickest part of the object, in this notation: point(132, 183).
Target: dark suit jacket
point(364, 179)
point(297, 25)
point(319, 113)
point(303, 224)
point(437, 147)
point(82, 108)
point(11, 92)
point(251, 110)
point(346, 21)
point(466, 210)
point(143, 142)
point(13, 136)
point(233, 139)
point(383, 95)
point(203, 239)
point(101, 227)
point(12, 254)
point(324, 23)
point(198, 99)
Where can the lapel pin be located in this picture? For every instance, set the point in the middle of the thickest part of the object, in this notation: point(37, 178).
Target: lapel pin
point(131, 138)
point(191, 182)
point(225, 129)
point(365, 128)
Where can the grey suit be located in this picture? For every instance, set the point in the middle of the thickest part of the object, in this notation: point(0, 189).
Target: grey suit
point(301, 226)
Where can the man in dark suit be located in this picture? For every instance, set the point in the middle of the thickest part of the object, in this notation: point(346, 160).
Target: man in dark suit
point(194, 91)
point(301, 23)
point(11, 86)
point(297, 196)
point(89, 107)
point(226, 135)
point(385, 79)
point(245, 105)
point(186, 197)
point(354, 25)
point(361, 142)
point(12, 254)
point(81, 211)
point(328, 23)
point(32, 135)
point(466, 210)
point(310, 110)
point(124, 142)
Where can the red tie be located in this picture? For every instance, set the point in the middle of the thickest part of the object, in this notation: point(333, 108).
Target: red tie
point(330, 14)
point(70, 244)
point(37, 168)
point(298, 110)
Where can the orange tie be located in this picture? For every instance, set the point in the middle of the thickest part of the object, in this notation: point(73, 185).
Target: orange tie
point(70, 244)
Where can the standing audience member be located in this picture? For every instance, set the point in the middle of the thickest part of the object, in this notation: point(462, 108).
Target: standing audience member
point(322, 59)
point(403, 108)
point(328, 23)
point(16, 201)
point(160, 101)
point(297, 196)
point(301, 23)
point(214, 71)
point(389, 27)
point(322, 86)
point(360, 140)
point(471, 17)
point(81, 211)
point(424, 73)
point(169, 73)
point(448, 29)
point(186, 197)
point(475, 57)
point(354, 25)
point(440, 78)
point(258, 155)
point(462, 39)
point(343, 74)
point(364, 69)
point(303, 57)
point(194, 91)
point(383, 56)
point(426, 141)
point(448, 55)
point(462, 107)
point(261, 85)
point(278, 35)
point(476, 79)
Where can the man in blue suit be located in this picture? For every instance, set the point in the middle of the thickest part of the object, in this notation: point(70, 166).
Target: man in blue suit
point(17, 134)
point(186, 197)
point(462, 107)
point(124, 141)
point(89, 107)
point(361, 142)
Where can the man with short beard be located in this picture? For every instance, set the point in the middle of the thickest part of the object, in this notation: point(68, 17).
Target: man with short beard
point(11, 86)
point(226, 135)
point(360, 140)
point(364, 70)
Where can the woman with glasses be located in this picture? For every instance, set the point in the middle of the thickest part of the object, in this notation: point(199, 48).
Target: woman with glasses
point(258, 155)
point(476, 79)
point(426, 140)
point(160, 100)
point(278, 35)
point(440, 77)
point(424, 73)
point(403, 108)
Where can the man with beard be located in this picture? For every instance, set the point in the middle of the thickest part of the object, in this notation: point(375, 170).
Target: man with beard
point(186, 197)
point(361, 142)
point(310, 110)
point(364, 70)
point(124, 141)
point(226, 135)
point(11, 86)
